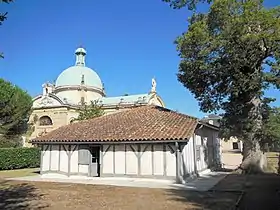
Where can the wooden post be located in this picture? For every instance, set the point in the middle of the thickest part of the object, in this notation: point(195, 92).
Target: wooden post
point(178, 163)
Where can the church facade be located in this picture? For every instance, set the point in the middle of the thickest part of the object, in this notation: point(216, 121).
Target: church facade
point(76, 86)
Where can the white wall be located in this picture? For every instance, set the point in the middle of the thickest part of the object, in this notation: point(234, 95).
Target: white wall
point(55, 159)
point(45, 158)
point(131, 160)
point(188, 159)
point(209, 154)
point(123, 159)
point(170, 160)
point(74, 159)
point(201, 146)
point(63, 158)
point(142, 160)
point(147, 163)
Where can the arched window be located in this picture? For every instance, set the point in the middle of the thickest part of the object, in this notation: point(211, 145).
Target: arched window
point(45, 120)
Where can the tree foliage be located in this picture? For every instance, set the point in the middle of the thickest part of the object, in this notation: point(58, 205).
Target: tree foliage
point(191, 4)
point(3, 16)
point(229, 56)
point(271, 129)
point(90, 111)
point(15, 105)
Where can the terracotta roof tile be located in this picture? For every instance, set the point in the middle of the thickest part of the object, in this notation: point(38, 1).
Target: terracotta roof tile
point(137, 124)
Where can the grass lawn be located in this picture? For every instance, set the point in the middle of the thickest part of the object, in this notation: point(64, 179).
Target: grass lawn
point(19, 173)
point(272, 161)
point(42, 195)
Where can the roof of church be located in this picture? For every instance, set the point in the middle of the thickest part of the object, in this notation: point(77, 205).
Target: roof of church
point(144, 123)
point(130, 99)
point(137, 99)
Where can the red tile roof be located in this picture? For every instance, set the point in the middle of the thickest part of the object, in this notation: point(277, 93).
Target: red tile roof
point(145, 123)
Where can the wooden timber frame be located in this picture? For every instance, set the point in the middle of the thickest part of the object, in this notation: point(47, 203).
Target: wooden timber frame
point(173, 146)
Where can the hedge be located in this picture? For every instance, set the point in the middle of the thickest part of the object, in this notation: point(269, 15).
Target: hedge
point(17, 158)
point(11, 141)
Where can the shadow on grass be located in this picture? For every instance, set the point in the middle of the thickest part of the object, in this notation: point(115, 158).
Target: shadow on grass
point(236, 191)
point(205, 200)
point(19, 196)
point(224, 170)
point(37, 172)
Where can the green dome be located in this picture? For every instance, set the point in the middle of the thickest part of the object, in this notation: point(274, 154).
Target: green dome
point(79, 74)
point(74, 76)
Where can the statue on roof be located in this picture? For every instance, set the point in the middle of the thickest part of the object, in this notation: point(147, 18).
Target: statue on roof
point(47, 88)
point(154, 85)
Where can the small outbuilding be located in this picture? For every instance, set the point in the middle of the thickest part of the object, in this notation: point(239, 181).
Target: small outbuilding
point(147, 141)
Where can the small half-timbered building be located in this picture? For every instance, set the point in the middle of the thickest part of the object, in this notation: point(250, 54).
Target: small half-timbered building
point(147, 141)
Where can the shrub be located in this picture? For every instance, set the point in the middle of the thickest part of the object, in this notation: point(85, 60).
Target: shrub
point(16, 158)
point(11, 141)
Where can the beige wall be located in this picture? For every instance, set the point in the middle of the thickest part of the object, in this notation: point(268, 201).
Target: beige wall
point(77, 94)
point(227, 145)
point(59, 117)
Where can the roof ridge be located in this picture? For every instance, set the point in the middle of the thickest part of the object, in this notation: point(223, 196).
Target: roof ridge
point(149, 106)
point(175, 112)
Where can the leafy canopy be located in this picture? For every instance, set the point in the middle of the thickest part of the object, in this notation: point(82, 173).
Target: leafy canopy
point(3, 16)
point(15, 105)
point(191, 4)
point(229, 56)
point(272, 127)
point(90, 111)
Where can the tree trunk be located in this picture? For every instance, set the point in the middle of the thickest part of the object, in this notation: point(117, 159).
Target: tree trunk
point(254, 160)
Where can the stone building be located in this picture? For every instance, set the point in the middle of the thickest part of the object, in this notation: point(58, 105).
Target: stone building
point(78, 85)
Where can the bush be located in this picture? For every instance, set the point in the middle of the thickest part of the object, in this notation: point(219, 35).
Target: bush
point(17, 158)
point(14, 141)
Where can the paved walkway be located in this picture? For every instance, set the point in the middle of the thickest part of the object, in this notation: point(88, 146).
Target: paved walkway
point(203, 183)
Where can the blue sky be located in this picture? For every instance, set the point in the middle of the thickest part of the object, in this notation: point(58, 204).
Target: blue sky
point(128, 43)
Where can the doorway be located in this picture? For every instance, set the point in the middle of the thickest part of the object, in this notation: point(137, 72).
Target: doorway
point(95, 161)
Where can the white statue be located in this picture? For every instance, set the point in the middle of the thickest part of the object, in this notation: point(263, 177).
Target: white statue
point(154, 85)
point(47, 88)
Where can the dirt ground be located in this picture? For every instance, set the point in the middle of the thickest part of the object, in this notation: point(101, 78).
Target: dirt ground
point(235, 191)
point(39, 195)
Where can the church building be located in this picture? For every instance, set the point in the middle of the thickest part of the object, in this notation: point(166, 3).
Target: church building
point(76, 86)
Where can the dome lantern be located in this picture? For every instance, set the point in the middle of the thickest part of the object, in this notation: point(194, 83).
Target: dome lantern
point(79, 74)
point(80, 56)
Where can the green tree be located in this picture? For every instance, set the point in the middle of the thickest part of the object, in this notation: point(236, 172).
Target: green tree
point(90, 111)
point(229, 56)
point(271, 129)
point(15, 106)
point(191, 4)
point(3, 16)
